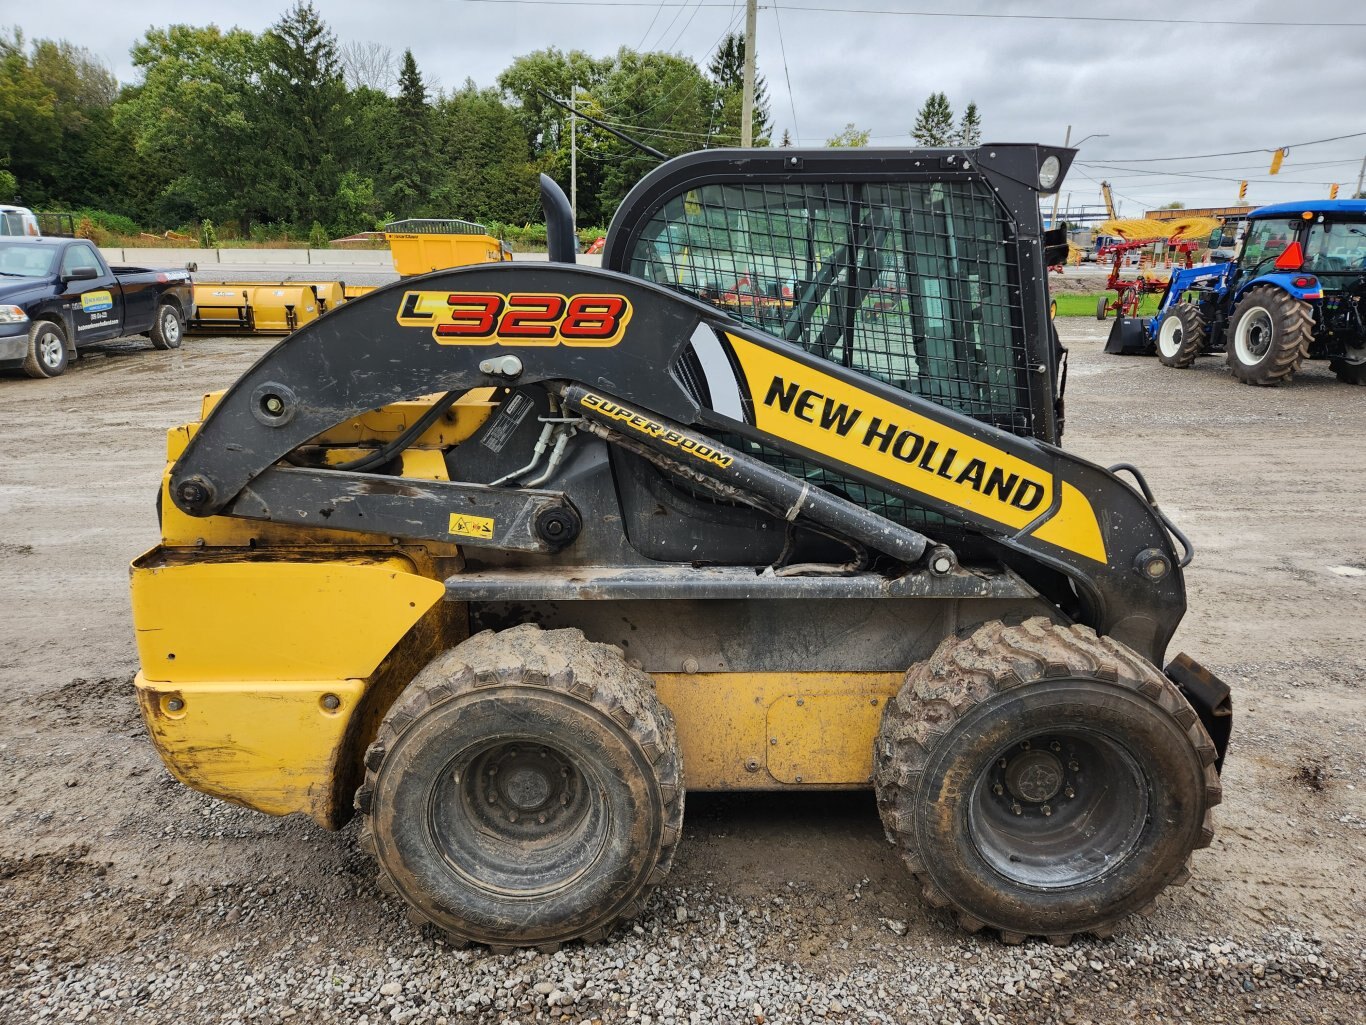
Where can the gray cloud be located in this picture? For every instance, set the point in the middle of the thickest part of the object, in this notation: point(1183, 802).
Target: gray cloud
point(1154, 89)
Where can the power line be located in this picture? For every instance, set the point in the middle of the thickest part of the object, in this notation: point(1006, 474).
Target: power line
point(792, 101)
point(1230, 153)
point(977, 15)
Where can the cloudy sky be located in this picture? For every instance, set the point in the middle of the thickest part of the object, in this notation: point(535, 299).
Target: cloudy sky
point(1149, 89)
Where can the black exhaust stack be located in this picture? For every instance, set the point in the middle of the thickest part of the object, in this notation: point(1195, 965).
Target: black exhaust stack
point(559, 222)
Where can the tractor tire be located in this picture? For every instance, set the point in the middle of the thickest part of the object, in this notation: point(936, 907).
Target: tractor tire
point(1042, 780)
point(1102, 307)
point(524, 790)
point(1180, 336)
point(1269, 336)
point(1351, 368)
point(46, 355)
point(168, 330)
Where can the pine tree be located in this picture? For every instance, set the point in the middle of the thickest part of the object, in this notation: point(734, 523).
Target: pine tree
point(969, 132)
point(787, 139)
point(411, 159)
point(934, 124)
point(727, 71)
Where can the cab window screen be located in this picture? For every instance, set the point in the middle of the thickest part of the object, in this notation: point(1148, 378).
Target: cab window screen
point(909, 283)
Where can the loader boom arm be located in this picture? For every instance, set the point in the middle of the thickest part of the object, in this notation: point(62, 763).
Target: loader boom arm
point(647, 364)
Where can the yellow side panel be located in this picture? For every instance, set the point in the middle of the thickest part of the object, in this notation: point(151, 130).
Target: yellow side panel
point(262, 620)
point(270, 745)
point(1074, 526)
point(768, 731)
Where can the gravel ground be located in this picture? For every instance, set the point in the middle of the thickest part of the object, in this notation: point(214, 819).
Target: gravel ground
point(129, 898)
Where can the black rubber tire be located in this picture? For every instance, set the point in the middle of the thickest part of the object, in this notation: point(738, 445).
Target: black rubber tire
point(168, 329)
point(1349, 371)
point(1290, 322)
point(580, 737)
point(46, 355)
point(1185, 336)
point(983, 695)
point(1102, 307)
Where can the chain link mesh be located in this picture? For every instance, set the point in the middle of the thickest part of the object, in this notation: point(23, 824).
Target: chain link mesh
point(910, 283)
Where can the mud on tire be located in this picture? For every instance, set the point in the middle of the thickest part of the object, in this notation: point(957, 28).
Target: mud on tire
point(1005, 771)
point(524, 790)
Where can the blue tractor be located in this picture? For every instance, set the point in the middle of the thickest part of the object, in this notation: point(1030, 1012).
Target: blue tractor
point(1296, 290)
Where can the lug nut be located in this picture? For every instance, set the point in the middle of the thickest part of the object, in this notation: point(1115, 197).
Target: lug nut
point(1055, 747)
point(1046, 810)
point(512, 816)
point(1074, 765)
point(1069, 793)
point(1015, 807)
point(1002, 764)
point(541, 818)
point(1024, 745)
point(998, 790)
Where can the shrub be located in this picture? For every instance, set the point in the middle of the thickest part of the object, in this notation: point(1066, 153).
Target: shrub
point(208, 238)
point(317, 236)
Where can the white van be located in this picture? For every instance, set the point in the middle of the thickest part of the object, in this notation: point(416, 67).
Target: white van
point(18, 220)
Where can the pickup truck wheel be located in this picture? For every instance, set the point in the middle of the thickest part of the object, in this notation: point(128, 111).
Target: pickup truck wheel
point(168, 330)
point(46, 350)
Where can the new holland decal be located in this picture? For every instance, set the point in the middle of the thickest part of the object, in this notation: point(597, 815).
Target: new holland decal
point(824, 414)
point(517, 318)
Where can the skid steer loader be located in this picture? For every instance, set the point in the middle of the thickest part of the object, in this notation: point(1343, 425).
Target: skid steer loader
point(505, 557)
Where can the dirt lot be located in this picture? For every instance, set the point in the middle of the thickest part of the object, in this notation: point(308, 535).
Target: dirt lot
point(127, 897)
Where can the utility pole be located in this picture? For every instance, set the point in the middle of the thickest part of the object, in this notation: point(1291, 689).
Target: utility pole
point(1053, 221)
point(1361, 177)
point(747, 93)
point(574, 151)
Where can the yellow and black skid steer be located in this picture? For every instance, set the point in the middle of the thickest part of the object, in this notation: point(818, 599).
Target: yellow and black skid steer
point(504, 557)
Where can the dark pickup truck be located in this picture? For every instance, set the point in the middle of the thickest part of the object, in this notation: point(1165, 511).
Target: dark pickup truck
point(58, 294)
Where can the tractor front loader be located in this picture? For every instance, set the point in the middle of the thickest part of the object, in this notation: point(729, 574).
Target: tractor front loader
point(504, 557)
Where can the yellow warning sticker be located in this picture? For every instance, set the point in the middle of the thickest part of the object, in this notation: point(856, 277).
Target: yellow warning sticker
point(464, 525)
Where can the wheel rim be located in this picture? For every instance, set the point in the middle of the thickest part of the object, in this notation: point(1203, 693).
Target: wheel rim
point(1169, 337)
point(1354, 357)
point(1252, 340)
point(51, 350)
point(170, 326)
point(518, 818)
point(1059, 809)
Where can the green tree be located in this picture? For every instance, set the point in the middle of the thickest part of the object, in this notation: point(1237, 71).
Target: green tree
point(852, 135)
point(934, 124)
point(727, 72)
point(411, 154)
point(488, 170)
point(969, 132)
point(192, 122)
point(530, 77)
point(661, 99)
point(300, 116)
point(9, 187)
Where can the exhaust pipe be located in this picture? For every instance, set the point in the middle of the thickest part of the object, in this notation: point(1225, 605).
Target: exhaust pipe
point(559, 222)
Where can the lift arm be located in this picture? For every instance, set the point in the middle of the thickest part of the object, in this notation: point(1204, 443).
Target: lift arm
point(649, 366)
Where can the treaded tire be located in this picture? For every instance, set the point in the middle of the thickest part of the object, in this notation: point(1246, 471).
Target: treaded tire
point(1180, 336)
point(524, 790)
point(979, 697)
point(1102, 307)
point(1349, 371)
point(168, 329)
point(1269, 336)
point(46, 354)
